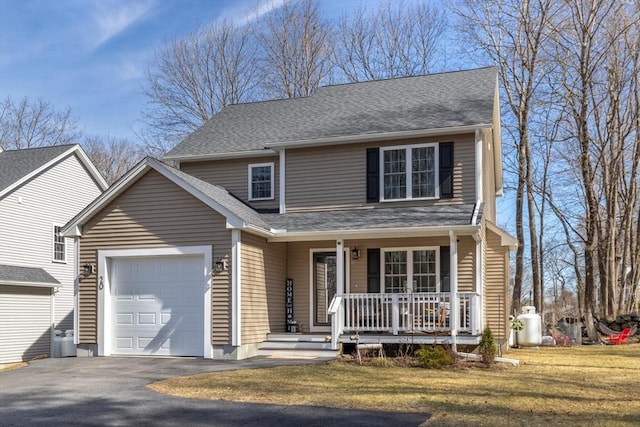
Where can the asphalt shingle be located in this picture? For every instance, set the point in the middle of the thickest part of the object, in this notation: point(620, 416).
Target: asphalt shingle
point(16, 164)
point(403, 104)
point(26, 275)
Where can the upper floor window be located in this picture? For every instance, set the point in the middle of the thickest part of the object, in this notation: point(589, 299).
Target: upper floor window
point(409, 172)
point(59, 252)
point(261, 181)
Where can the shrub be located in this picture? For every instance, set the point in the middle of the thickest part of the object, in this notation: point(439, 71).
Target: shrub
point(434, 357)
point(488, 349)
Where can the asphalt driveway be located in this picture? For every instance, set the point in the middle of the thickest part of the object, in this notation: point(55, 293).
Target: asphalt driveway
point(97, 391)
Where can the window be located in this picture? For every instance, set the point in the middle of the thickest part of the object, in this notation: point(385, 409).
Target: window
point(411, 270)
point(409, 172)
point(261, 181)
point(58, 245)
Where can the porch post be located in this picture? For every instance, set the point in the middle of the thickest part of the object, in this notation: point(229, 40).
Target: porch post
point(339, 267)
point(478, 306)
point(453, 299)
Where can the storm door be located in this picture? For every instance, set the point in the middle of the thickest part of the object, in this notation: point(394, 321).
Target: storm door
point(324, 285)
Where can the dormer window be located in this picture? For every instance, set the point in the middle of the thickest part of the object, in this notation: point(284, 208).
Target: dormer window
point(261, 181)
point(409, 172)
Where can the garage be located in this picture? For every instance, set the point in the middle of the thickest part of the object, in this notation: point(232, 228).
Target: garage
point(157, 305)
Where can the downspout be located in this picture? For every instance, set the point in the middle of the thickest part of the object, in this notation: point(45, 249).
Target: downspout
point(236, 286)
point(454, 304)
point(76, 290)
point(282, 168)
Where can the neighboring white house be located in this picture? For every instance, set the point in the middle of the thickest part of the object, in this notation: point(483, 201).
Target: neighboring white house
point(40, 190)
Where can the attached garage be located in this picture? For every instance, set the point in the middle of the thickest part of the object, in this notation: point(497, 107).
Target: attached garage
point(155, 301)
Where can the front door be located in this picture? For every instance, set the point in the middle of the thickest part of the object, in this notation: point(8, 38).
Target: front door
point(324, 286)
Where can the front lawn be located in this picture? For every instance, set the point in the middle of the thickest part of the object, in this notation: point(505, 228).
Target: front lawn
point(568, 386)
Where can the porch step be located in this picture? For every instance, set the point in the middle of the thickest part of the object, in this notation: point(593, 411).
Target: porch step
point(297, 346)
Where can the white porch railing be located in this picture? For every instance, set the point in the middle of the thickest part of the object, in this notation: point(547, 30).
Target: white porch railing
point(402, 313)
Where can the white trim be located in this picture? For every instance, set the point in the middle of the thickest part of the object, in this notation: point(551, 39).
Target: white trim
point(104, 289)
point(29, 284)
point(478, 285)
point(409, 172)
point(409, 250)
point(83, 158)
point(384, 136)
point(506, 239)
point(283, 169)
point(236, 288)
point(373, 233)
point(76, 289)
point(453, 288)
point(53, 244)
point(185, 158)
point(250, 168)
point(479, 182)
point(312, 320)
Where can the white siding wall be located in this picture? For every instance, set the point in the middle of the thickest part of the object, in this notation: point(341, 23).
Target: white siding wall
point(25, 318)
point(26, 229)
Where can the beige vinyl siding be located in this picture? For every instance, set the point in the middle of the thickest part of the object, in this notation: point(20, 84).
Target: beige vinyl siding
point(298, 264)
point(25, 323)
point(263, 279)
point(233, 174)
point(488, 176)
point(154, 212)
point(497, 285)
point(335, 175)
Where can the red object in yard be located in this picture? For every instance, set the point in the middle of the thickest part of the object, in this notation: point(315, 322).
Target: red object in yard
point(620, 338)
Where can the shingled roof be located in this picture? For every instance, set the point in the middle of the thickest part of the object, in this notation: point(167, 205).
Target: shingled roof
point(434, 101)
point(26, 276)
point(17, 164)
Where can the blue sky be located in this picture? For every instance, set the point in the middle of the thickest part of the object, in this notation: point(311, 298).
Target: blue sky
point(91, 55)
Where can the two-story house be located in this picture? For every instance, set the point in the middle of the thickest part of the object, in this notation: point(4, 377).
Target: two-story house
point(366, 209)
point(41, 189)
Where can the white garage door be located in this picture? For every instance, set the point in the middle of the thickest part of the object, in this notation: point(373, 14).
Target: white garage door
point(158, 305)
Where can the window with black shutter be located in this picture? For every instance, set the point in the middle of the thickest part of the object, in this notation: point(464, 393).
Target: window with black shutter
point(446, 170)
point(373, 270)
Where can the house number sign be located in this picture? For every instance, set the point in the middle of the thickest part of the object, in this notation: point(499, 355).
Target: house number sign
point(289, 303)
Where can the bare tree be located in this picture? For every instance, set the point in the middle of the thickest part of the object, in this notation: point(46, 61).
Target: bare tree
point(193, 77)
point(296, 49)
point(113, 157)
point(395, 40)
point(596, 53)
point(27, 124)
point(513, 33)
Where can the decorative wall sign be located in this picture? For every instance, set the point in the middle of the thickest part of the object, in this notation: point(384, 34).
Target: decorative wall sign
point(289, 304)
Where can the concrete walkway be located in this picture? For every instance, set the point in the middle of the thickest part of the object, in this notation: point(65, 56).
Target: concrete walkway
point(111, 391)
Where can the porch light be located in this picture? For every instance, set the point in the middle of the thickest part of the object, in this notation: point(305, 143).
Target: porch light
point(219, 266)
point(87, 270)
point(355, 253)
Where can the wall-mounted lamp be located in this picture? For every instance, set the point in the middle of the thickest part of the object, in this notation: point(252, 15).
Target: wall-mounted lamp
point(219, 266)
point(355, 253)
point(87, 270)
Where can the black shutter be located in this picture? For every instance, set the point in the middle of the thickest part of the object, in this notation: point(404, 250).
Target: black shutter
point(445, 269)
point(373, 270)
point(373, 175)
point(446, 170)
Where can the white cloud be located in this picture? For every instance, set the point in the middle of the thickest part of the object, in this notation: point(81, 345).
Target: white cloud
point(242, 14)
point(110, 18)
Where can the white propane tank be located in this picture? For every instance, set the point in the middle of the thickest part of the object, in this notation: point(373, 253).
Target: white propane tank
point(68, 348)
point(531, 333)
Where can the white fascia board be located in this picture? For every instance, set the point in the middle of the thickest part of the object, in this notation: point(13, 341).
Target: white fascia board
point(221, 156)
point(91, 168)
point(506, 239)
point(383, 136)
point(30, 284)
point(373, 233)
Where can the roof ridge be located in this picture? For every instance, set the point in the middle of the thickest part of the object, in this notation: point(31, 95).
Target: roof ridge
point(13, 150)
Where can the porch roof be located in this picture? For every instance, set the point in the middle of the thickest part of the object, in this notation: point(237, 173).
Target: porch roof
point(372, 219)
point(26, 276)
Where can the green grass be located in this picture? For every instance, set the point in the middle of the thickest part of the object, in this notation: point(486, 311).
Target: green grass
point(568, 386)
